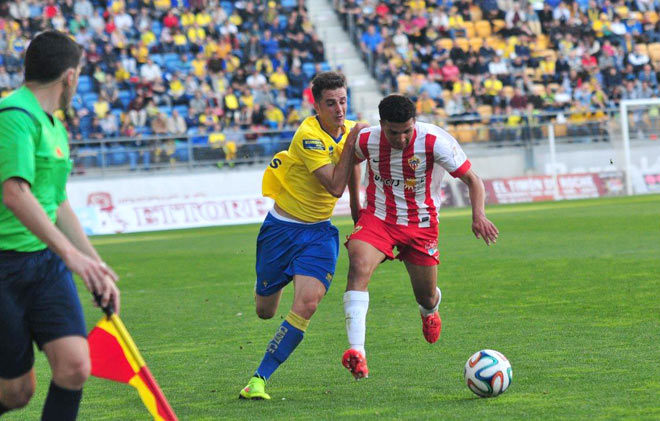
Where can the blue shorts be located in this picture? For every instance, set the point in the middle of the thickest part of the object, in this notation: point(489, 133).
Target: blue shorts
point(38, 302)
point(286, 248)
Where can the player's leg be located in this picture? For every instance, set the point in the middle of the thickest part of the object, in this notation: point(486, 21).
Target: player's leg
point(16, 393)
point(363, 261)
point(314, 249)
point(58, 327)
point(308, 293)
point(266, 305)
point(424, 283)
point(69, 361)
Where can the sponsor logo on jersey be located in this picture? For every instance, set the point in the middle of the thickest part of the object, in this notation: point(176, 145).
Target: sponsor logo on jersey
point(414, 162)
point(58, 152)
point(410, 183)
point(313, 144)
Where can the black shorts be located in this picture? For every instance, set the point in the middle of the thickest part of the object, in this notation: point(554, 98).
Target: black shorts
point(38, 302)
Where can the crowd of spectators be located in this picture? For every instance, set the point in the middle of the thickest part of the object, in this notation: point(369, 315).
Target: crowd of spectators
point(511, 64)
point(176, 67)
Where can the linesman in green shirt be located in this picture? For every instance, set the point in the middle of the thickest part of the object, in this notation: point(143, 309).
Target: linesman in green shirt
point(41, 239)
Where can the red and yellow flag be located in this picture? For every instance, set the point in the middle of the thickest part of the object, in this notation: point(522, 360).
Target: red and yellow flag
point(115, 357)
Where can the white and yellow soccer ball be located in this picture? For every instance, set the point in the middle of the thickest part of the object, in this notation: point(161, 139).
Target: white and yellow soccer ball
point(488, 373)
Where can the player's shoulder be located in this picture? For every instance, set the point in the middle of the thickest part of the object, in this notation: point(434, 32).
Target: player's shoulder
point(308, 129)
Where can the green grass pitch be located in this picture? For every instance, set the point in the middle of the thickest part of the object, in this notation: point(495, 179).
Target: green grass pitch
point(570, 294)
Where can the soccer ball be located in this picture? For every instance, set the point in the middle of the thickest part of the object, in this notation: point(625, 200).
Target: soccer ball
point(487, 373)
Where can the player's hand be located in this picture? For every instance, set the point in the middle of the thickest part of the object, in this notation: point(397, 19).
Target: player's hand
point(352, 135)
point(483, 228)
point(99, 278)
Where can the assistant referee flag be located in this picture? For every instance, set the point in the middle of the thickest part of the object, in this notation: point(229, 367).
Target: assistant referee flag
point(115, 357)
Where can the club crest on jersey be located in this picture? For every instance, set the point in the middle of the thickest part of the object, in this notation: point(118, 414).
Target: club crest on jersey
point(331, 150)
point(432, 248)
point(313, 144)
point(414, 162)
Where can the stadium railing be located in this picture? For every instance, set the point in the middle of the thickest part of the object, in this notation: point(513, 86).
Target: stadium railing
point(249, 148)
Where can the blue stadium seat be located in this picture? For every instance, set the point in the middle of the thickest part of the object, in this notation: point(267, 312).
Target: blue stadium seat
point(182, 109)
point(308, 69)
point(158, 59)
point(165, 109)
point(288, 4)
point(125, 98)
point(228, 6)
point(295, 102)
point(85, 84)
point(89, 99)
point(325, 66)
point(156, 28)
point(170, 57)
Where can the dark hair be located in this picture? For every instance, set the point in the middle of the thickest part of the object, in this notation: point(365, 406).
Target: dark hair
point(327, 81)
point(49, 54)
point(396, 109)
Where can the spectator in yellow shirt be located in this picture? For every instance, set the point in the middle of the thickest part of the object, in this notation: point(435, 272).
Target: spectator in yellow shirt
point(196, 34)
point(230, 104)
point(199, 66)
point(425, 104)
point(274, 115)
point(187, 18)
point(203, 19)
point(101, 106)
point(279, 79)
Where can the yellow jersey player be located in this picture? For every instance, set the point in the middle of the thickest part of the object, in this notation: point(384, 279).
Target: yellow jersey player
point(297, 241)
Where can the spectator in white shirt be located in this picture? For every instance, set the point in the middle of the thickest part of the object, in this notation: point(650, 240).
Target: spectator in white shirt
point(150, 71)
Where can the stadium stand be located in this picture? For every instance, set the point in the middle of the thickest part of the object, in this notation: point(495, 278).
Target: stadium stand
point(493, 70)
point(145, 59)
point(490, 71)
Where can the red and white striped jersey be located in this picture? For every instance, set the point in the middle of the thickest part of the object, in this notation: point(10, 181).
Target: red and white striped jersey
point(403, 185)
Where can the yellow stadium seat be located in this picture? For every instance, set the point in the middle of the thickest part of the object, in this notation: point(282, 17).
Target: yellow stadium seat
point(482, 28)
point(463, 44)
point(446, 43)
point(651, 17)
point(654, 51)
point(498, 24)
point(561, 130)
point(643, 48)
point(475, 13)
point(476, 43)
point(485, 111)
point(466, 133)
point(482, 132)
point(469, 29)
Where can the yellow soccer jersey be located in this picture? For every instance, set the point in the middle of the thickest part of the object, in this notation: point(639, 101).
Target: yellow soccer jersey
point(289, 178)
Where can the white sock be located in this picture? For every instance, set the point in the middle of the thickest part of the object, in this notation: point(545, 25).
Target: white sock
point(356, 304)
point(427, 312)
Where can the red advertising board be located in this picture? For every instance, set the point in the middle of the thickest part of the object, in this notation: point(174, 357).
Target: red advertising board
point(539, 188)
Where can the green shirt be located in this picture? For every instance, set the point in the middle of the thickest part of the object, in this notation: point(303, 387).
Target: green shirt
point(35, 149)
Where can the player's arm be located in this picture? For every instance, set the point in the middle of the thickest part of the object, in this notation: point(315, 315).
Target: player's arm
point(98, 278)
point(354, 192)
point(335, 177)
point(481, 226)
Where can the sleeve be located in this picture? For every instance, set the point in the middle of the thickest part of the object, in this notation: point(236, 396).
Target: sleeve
point(361, 151)
point(17, 149)
point(449, 154)
point(309, 149)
